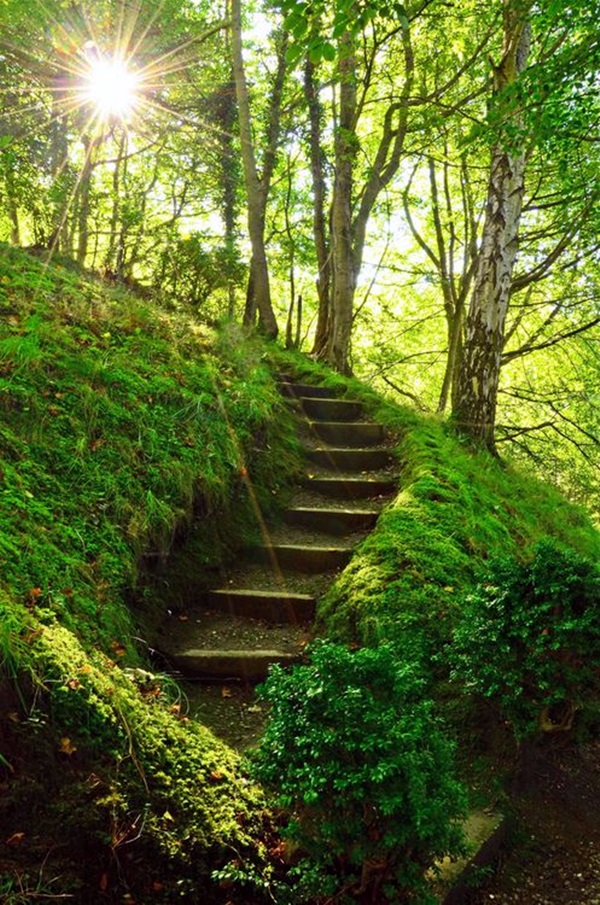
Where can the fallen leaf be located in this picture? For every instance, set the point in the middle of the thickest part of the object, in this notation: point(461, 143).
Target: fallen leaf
point(67, 746)
point(15, 839)
point(217, 776)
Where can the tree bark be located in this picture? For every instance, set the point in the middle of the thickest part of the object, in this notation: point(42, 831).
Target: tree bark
point(479, 371)
point(259, 291)
point(315, 115)
point(344, 271)
point(83, 198)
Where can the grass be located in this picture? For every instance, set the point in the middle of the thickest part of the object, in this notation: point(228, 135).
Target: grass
point(455, 510)
point(121, 423)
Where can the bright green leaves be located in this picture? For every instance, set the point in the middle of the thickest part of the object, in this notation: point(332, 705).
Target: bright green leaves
point(355, 750)
point(317, 27)
point(529, 638)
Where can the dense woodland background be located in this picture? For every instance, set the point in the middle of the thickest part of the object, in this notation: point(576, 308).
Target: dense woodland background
point(408, 190)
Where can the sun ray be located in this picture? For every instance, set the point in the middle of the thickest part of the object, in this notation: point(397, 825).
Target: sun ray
point(111, 86)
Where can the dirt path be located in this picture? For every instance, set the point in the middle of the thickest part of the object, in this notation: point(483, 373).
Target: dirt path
point(555, 859)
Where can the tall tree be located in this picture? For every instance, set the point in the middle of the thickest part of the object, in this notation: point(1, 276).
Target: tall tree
point(541, 106)
point(257, 187)
point(474, 405)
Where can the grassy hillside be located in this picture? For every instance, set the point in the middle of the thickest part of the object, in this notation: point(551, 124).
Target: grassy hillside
point(456, 510)
point(120, 422)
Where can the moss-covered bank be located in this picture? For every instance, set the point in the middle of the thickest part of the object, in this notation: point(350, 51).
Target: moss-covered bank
point(455, 510)
point(121, 423)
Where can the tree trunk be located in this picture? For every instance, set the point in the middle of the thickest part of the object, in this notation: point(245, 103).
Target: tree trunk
point(315, 114)
point(13, 210)
point(344, 272)
point(259, 294)
point(116, 202)
point(479, 371)
point(83, 211)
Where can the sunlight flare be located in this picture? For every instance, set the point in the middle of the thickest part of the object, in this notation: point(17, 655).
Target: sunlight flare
point(111, 87)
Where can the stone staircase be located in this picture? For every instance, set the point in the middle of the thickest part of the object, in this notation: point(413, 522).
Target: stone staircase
point(264, 607)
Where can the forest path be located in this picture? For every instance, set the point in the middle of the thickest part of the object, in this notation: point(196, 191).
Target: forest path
point(262, 611)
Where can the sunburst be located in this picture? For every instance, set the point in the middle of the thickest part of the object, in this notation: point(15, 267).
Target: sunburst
point(111, 86)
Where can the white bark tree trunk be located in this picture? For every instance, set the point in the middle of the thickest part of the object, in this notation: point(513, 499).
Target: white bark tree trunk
point(479, 372)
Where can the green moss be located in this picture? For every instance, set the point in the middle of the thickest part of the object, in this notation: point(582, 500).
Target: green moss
point(121, 425)
point(455, 509)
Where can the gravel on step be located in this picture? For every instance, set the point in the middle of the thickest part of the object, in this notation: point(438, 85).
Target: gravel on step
point(207, 630)
point(303, 496)
point(291, 534)
point(263, 578)
point(230, 709)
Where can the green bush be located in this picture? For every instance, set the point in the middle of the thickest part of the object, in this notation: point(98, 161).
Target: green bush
point(357, 758)
point(529, 638)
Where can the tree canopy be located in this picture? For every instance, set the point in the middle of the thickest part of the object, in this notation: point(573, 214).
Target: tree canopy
point(406, 190)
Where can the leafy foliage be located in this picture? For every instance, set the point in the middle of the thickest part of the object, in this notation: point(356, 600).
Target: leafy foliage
point(355, 754)
point(529, 638)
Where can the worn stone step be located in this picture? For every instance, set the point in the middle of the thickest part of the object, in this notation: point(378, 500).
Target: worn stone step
point(354, 434)
point(272, 606)
point(351, 488)
point(301, 558)
point(349, 459)
point(300, 390)
point(332, 521)
point(331, 409)
point(244, 665)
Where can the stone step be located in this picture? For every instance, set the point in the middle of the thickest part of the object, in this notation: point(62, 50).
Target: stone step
point(218, 665)
point(299, 390)
point(332, 521)
point(349, 459)
point(354, 434)
point(271, 606)
point(301, 558)
point(351, 488)
point(331, 409)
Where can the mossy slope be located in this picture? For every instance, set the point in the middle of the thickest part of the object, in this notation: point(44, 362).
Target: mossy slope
point(120, 422)
point(455, 510)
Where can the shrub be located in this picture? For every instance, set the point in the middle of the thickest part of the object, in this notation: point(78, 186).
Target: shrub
point(529, 638)
point(356, 756)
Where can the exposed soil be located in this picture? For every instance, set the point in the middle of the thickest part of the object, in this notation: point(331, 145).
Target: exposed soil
point(554, 851)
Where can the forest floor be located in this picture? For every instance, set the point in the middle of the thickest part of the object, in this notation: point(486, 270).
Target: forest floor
point(554, 855)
